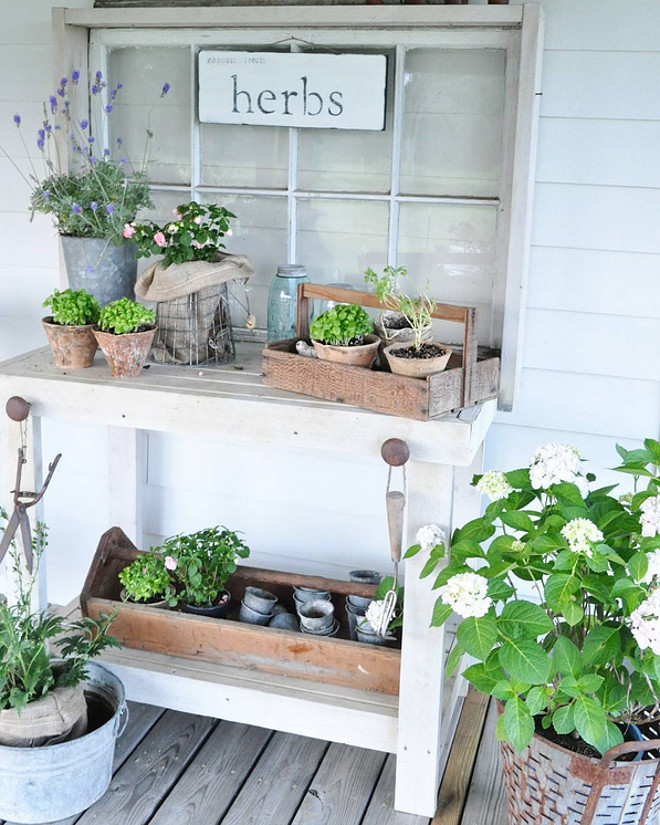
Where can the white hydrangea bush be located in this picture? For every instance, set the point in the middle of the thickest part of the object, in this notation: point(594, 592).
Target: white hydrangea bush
point(582, 656)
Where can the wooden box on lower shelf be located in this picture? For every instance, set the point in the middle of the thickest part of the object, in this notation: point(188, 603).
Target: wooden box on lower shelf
point(337, 660)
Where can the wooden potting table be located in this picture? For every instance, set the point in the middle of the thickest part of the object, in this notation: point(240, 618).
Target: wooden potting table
point(232, 404)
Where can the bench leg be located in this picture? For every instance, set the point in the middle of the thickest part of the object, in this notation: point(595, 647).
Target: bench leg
point(126, 469)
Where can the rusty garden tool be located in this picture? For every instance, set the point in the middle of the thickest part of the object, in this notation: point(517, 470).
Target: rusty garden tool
point(23, 500)
point(395, 453)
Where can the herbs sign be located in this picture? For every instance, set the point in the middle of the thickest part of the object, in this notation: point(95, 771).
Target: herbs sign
point(322, 91)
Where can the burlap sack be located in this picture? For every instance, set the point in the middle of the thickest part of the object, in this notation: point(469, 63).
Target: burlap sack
point(192, 313)
point(57, 717)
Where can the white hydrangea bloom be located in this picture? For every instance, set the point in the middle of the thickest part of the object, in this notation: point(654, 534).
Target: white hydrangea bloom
point(467, 595)
point(581, 533)
point(429, 536)
point(650, 516)
point(654, 567)
point(645, 623)
point(494, 484)
point(554, 464)
point(375, 611)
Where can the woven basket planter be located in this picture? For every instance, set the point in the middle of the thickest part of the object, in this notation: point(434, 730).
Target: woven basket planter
point(549, 785)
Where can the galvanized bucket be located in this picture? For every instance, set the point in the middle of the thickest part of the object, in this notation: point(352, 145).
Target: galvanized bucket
point(57, 781)
point(550, 785)
point(106, 271)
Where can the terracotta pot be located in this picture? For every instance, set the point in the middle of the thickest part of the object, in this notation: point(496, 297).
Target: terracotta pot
point(126, 353)
point(359, 356)
point(416, 367)
point(73, 347)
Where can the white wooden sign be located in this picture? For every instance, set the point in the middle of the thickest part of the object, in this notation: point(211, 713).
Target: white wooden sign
point(323, 91)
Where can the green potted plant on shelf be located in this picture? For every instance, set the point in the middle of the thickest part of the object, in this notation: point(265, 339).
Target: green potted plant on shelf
point(69, 328)
point(406, 326)
point(125, 333)
point(344, 335)
point(91, 190)
point(52, 711)
point(148, 580)
point(558, 590)
point(202, 562)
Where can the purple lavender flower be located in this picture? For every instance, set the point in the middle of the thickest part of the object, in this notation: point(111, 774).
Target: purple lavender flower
point(84, 124)
point(108, 107)
point(92, 159)
point(123, 160)
point(95, 89)
point(89, 270)
point(76, 209)
point(75, 76)
point(106, 153)
point(48, 127)
point(120, 86)
point(45, 194)
point(60, 92)
point(57, 127)
point(40, 144)
point(120, 141)
point(63, 82)
point(53, 104)
point(93, 206)
point(113, 94)
point(98, 75)
point(17, 120)
point(109, 209)
point(90, 139)
point(166, 89)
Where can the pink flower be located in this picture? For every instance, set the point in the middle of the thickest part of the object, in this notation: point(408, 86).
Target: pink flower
point(177, 215)
point(228, 233)
point(197, 220)
point(128, 231)
point(199, 245)
point(170, 563)
point(160, 239)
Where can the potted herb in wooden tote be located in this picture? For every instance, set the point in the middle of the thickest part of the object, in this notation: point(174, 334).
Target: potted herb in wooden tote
point(57, 711)
point(148, 580)
point(563, 619)
point(344, 335)
point(69, 328)
point(125, 333)
point(204, 562)
point(420, 356)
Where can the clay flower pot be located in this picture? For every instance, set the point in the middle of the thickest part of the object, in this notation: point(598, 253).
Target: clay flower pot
point(73, 347)
point(361, 355)
point(417, 367)
point(125, 353)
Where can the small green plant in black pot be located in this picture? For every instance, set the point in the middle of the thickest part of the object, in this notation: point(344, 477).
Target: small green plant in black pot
point(344, 334)
point(204, 562)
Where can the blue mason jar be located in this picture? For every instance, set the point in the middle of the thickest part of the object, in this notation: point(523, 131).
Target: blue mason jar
point(283, 301)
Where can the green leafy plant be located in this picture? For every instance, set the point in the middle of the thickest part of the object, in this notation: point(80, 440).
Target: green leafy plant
point(193, 235)
point(343, 325)
point(204, 561)
point(417, 310)
point(124, 315)
point(91, 191)
point(583, 656)
point(26, 669)
point(148, 578)
point(73, 308)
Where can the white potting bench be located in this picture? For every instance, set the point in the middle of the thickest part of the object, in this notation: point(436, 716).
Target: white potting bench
point(235, 406)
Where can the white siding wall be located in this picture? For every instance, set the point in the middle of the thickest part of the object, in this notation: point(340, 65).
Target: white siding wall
point(591, 369)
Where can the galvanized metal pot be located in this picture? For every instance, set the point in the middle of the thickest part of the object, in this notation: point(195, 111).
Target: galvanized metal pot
point(547, 785)
point(106, 271)
point(57, 781)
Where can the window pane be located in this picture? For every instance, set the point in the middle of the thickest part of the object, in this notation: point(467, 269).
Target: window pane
point(259, 232)
point(143, 72)
point(345, 160)
point(250, 156)
point(339, 239)
point(452, 126)
point(454, 248)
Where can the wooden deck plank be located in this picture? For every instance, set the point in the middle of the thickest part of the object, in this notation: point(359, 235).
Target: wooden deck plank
point(458, 773)
point(138, 787)
point(486, 802)
point(381, 807)
point(278, 783)
point(214, 777)
point(342, 787)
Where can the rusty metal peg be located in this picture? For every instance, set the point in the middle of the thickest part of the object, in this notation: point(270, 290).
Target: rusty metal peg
point(395, 452)
point(17, 408)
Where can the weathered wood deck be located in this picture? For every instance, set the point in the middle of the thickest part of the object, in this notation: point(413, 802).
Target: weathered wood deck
point(175, 768)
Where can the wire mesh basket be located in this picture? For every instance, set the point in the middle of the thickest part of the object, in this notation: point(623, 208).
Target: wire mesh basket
point(195, 329)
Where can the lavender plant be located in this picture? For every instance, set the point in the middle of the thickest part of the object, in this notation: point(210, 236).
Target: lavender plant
point(87, 189)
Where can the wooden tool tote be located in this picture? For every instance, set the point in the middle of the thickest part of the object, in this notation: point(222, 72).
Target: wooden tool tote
point(471, 377)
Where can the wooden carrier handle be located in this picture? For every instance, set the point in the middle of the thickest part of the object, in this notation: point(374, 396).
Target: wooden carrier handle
point(444, 312)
